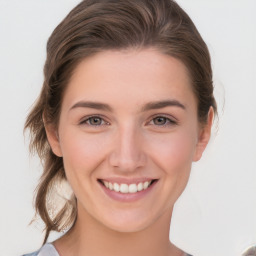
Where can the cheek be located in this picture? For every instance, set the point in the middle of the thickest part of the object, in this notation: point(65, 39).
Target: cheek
point(172, 155)
point(173, 152)
point(80, 151)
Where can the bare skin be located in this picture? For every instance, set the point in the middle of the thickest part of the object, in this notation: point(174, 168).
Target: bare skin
point(142, 125)
point(91, 238)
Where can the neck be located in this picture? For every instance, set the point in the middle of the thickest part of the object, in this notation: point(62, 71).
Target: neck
point(90, 237)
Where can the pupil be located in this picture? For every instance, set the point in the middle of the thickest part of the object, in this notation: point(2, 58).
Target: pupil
point(160, 120)
point(96, 121)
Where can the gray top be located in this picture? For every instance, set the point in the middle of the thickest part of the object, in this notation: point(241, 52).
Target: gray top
point(46, 250)
point(49, 250)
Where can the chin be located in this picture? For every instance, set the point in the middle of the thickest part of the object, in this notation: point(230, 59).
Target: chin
point(127, 227)
point(129, 222)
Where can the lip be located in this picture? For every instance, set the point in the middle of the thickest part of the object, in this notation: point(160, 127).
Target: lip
point(129, 197)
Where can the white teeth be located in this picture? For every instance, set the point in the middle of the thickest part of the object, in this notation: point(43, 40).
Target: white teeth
point(110, 186)
point(116, 187)
point(146, 184)
point(125, 188)
point(106, 183)
point(132, 188)
point(140, 186)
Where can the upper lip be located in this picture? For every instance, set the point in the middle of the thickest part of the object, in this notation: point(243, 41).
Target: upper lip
point(126, 180)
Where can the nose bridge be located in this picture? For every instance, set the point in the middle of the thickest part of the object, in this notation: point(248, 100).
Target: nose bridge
point(128, 153)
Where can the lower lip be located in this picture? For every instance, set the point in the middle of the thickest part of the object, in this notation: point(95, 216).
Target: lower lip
point(128, 197)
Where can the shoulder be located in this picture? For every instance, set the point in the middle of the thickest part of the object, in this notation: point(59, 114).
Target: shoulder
point(32, 254)
point(46, 250)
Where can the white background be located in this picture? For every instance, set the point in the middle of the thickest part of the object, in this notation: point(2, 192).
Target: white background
point(216, 215)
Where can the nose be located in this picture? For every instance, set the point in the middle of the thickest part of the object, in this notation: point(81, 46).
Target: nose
point(127, 153)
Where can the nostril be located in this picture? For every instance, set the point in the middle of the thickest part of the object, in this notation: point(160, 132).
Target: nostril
point(127, 155)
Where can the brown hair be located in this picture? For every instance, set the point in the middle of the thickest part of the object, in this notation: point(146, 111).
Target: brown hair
point(98, 25)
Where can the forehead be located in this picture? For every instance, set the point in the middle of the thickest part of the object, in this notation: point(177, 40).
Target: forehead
point(134, 75)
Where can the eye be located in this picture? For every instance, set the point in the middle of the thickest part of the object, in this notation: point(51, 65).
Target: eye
point(162, 121)
point(94, 121)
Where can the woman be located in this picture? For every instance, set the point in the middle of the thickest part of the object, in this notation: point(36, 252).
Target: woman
point(126, 106)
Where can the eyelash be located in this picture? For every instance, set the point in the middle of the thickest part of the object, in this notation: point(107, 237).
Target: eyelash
point(88, 119)
point(168, 121)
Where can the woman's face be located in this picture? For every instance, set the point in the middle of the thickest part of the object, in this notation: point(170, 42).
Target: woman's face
point(128, 123)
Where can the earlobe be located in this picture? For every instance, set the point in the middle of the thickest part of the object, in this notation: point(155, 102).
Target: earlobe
point(53, 139)
point(204, 136)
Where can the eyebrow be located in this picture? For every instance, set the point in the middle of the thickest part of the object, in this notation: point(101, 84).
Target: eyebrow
point(162, 104)
point(146, 107)
point(91, 104)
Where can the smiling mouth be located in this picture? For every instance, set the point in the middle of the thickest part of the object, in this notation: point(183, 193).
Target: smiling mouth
point(124, 188)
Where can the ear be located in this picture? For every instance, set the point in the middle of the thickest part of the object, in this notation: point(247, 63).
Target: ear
point(204, 136)
point(53, 139)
